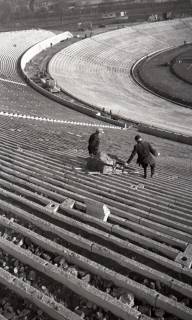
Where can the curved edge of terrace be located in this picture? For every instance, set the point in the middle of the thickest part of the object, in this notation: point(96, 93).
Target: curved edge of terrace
point(30, 53)
point(140, 80)
point(97, 71)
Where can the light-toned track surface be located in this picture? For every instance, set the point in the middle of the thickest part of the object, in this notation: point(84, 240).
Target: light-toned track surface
point(97, 71)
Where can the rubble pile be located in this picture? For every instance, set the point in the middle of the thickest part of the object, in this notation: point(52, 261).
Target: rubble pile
point(86, 309)
point(12, 307)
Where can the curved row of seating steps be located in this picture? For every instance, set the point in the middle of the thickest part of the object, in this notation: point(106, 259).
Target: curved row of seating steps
point(52, 139)
point(106, 59)
point(88, 51)
point(42, 165)
point(41, 168)
point(25, 101)
point(13, 44)
point(16, 97)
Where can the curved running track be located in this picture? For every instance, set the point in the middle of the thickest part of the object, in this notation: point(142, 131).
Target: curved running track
point(97, 71)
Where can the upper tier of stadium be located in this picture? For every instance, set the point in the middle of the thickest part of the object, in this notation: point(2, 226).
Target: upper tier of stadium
point(13, 44)
point(16, 96)
point(97, 71)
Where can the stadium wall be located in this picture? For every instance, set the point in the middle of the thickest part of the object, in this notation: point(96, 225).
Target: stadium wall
point(45, 44)
point(165, 134)
point(31, 53)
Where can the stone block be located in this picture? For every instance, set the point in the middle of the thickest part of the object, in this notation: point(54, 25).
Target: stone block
point(94, 164)
point(52, 206)
point(185, 258)
point(67, 203)
point(97, 209)
point(108, 169)
point(102, 162)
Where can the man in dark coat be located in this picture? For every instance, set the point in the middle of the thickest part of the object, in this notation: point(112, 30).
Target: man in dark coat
point(94, 141)
point(144, 151)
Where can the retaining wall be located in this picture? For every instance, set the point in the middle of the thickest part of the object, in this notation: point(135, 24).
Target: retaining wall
point(154, 131)
point(40, 46)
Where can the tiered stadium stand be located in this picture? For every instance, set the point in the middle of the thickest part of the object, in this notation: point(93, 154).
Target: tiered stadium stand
point(150, 222)
point(97, 71)
point(56, 261)
point(13, 44)
point(15, 95)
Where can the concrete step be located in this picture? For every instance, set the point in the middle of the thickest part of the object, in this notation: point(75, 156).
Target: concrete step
point(108, 253)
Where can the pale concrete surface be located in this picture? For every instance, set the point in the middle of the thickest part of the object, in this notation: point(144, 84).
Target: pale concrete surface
point(97, 71)
point(18, 97)
point(13, 45)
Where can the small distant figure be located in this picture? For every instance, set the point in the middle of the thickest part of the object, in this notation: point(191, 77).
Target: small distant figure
point(103, 113)
point(144, 151)
point(94, 141)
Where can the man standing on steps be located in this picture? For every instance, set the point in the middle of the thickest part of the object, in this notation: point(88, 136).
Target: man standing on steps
point(144, 151)
point(94, 141)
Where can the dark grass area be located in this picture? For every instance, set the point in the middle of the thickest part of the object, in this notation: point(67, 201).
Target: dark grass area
point(156, 74)
point(182, 66)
